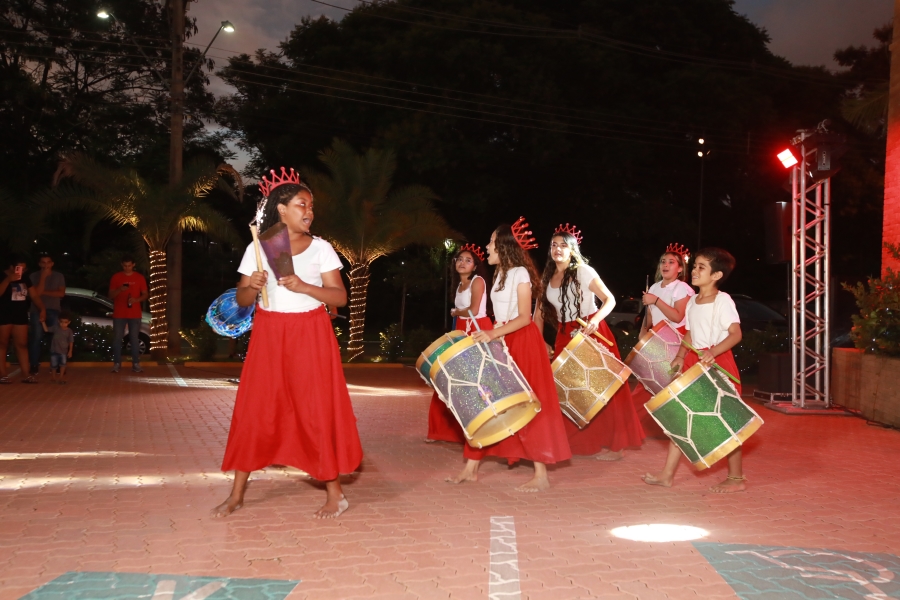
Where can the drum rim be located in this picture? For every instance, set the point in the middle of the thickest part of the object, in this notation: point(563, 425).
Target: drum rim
point(603, 400)
point(482, 418)
point(451, 352)
point(427, 352)
point(729, 445)
point(675, 387)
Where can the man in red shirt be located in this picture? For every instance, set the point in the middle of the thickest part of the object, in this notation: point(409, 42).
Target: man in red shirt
point(127, 290)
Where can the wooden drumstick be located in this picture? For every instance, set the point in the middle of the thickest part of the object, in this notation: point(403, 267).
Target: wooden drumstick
point(597, 333)
point(715, 364)
point(259, 264)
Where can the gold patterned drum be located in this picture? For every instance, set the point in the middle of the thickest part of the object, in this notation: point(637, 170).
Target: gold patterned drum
point(484, 389)
point(651, 359)
point(703, 414)
point(587, 377)
point(429, 354)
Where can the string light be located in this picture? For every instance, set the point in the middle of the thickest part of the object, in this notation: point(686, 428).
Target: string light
point(359, 286)
point(159, 325)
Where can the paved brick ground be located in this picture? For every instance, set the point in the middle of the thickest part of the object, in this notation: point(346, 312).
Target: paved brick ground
point(118, 473)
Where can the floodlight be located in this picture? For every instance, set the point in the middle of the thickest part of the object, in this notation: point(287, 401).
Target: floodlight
point(787, 158)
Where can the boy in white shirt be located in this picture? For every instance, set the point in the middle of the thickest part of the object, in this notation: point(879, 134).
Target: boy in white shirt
point(713, 328)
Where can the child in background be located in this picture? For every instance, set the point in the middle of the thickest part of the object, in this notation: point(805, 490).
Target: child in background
point(60, 347)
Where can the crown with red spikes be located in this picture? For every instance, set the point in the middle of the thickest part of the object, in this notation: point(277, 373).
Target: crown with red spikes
point(570, 229)
point(523, 235)
point(474, 249)
point(680, 250)
point(266, 186)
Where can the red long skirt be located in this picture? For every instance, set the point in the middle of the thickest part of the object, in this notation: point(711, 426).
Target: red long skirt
point(616, 426)
point(442, 425)
point(292, 405)
point(724, 360)
point(640, 396)
point(544, 438)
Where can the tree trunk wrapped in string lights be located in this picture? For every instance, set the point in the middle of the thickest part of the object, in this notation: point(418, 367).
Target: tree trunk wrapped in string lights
point(158, 295)
point(154, 210)
point(359, 288)
point(364, 219)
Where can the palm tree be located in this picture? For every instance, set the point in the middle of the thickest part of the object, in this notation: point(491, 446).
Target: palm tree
point(364, 219)
point(155, 211)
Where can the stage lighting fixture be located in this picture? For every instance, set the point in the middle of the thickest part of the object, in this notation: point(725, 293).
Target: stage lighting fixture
point(787, 158)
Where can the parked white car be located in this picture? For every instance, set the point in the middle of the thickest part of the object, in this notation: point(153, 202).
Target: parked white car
point(95, 309)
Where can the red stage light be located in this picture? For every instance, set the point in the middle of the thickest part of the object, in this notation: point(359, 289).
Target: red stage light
point(787, 158)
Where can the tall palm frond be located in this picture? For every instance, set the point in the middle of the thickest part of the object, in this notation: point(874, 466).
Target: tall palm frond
point(155, 211)
point(364, 218)
point(868, 110)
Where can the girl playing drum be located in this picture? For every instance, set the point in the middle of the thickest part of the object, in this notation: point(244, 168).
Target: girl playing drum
point(471, 297)
point(571, 289)
point(666, 300)
point(543, 440)
point(292, 406)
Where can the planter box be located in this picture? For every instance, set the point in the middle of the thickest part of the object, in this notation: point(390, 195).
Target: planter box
point(867, 383)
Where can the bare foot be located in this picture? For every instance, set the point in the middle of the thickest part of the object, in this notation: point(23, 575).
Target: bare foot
point(729, 486)
point(467, 474)
point(428, 441)
point(538, 483)
point(609, 455)
point(657, 480)
point(226, 508)
point(333, 508)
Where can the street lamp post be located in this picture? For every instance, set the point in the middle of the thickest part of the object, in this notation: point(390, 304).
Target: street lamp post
point(702, 154)
point(176, 155)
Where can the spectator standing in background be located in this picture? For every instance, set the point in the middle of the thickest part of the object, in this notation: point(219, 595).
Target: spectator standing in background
point(50, 286)
point(127, 290)
point(15, 291)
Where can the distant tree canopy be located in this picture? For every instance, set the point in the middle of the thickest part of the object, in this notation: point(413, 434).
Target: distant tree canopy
point(70, 81)
point(575, 110)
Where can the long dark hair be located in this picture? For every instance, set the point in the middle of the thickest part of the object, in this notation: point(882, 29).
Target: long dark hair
point(569, 282)
point(280, 195)
point(512, 255)
point(480, 269)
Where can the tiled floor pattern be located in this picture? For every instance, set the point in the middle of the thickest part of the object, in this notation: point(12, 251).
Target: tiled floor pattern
point(117, 473)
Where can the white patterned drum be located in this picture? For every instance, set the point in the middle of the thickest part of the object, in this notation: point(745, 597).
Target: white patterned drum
point(484, 390)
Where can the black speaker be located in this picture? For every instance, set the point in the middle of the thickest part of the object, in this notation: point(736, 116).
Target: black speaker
point(775, 373)
point(777, 218)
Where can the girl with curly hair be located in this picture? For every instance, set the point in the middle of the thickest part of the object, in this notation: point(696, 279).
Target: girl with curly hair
point(572, 288)
point(543, 440)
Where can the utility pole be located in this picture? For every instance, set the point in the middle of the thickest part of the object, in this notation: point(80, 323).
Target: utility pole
point(176, 158)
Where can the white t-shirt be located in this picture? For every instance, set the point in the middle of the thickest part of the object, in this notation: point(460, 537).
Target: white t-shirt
point(464, 299)
point(670, 294)
point(506, 301)
point(709, 323)
point(309, 265)
point(584, 275)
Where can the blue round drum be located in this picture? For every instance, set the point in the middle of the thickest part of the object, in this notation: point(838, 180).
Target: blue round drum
point(227, 318)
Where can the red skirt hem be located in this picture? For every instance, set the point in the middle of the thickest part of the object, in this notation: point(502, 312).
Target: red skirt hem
point(292, 406)
point(616, 426)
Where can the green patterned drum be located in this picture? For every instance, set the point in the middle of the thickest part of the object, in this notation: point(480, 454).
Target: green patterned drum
point(703, 414)
point(430, 354)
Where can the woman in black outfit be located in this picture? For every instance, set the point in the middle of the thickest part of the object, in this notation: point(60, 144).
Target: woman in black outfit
point(15, 292)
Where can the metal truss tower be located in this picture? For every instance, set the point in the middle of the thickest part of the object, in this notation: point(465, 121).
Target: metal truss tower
point(811, 278)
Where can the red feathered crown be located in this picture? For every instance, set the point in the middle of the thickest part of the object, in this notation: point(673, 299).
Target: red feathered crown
point(266, 186)
point(523, 236)
point(680, 250)
point(474, 249)
point(570, 229)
